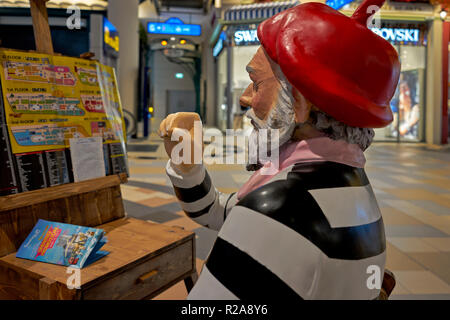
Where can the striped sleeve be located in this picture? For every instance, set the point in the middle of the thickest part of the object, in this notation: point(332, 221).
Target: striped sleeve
point(198, 197)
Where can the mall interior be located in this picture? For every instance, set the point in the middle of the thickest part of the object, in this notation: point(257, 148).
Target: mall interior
point(129, 64)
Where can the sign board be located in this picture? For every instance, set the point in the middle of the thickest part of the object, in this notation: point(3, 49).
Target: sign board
point(393, 35)
point(398, 34)
point(245, 37)
point(174, 26)
point(217, 49)
point(338, 4)
point(48, 100)
point(110, 38)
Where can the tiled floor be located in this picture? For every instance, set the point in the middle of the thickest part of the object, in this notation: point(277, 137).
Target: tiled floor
point(412, 184)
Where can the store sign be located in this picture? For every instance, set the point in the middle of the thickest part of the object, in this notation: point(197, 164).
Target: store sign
point(219, 45)
point(110, 36)
point(245, 36)
point(398, 35)
point(338, 4)
point(174, 26)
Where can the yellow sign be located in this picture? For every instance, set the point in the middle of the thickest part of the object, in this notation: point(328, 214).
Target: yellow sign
point(50, 99)
point(113, 42)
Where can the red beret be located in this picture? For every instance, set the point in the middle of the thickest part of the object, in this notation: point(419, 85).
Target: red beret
point(335, 61)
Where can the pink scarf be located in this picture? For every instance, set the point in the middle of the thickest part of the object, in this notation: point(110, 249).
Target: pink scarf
point(311, 150)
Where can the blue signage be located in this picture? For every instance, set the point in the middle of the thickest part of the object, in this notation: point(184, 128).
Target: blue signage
point(398, 35)
point(337, 4)
point(174, 26)
point(219, 45)
point(110, 38)
point(245, 37)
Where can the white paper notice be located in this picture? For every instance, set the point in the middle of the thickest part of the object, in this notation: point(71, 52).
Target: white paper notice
point(87, 158)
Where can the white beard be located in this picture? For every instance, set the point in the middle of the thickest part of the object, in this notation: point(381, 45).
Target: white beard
point(282, 119)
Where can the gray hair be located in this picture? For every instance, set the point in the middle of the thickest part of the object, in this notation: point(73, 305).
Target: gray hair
point(337, 130)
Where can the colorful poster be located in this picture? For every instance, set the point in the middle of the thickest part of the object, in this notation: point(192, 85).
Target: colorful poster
point(51, 99)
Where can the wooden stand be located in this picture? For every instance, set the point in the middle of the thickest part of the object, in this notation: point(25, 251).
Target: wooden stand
point(145, 258)
point(42, 35)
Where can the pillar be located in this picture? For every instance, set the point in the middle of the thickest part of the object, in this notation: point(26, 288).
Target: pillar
point(433, 122)
point(124, 16)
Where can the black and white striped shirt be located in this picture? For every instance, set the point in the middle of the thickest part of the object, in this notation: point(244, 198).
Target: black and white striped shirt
point(311, 232)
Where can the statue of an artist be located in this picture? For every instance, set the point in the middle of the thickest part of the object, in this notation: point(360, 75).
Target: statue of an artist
point(311, 229)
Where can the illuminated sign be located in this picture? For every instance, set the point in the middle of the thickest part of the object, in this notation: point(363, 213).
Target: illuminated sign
point(110, 36)
point(242, 37)
point(174, 26)
point(219, 45)
point(245, 36)
point(179, 75)
point(398, 35)
point(337, 4)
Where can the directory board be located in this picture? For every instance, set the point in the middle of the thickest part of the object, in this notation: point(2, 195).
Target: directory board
point(49, 99)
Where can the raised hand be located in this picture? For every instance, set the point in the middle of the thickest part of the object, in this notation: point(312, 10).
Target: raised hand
point(182, 124)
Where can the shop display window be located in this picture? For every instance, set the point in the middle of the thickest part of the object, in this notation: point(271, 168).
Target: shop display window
point(408, 102)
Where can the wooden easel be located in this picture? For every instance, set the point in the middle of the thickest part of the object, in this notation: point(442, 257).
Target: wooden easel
point(42, 35)
point(145, 258)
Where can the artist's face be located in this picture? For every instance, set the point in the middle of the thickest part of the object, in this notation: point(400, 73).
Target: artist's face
point(261, 95)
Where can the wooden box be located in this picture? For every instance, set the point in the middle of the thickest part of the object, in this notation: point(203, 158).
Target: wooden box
point(145, 258)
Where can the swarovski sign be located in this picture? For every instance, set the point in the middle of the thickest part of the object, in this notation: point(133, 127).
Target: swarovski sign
point(245, 36)
point(398, 35)
point(390, 34)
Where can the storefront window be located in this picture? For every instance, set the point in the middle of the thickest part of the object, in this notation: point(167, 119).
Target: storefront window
point(410, 41)
point(408, 102)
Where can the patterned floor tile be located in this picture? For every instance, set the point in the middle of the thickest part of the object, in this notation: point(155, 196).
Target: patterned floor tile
point(159, 214)
point(392, 216)
point(147, 170)
point(399, 289)
point(422, 282)
point(411, 244)
point(398, 260)
point(432, 206)
point(437, 222)
point(413, 231)
point(438, 263)
point(158, 201)
point(163, 180)
point(133, 194)
point(148, 185)
point(442, 244)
